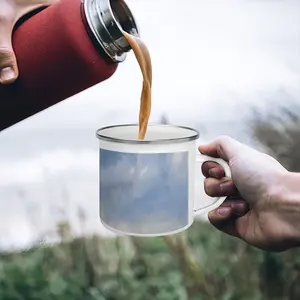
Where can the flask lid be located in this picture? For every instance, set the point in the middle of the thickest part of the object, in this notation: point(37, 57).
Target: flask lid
point(107, 19)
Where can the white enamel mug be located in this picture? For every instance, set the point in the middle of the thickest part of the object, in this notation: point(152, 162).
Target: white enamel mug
point(147, 188)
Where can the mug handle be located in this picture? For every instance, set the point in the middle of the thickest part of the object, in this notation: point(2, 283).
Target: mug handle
point(201, 159)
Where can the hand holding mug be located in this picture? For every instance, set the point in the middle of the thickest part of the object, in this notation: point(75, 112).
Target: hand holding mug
point(266, 209)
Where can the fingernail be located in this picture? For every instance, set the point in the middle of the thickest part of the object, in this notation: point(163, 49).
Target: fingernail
point(225, 188)
point(223, 211)
point(7, 74)
point(212, 172)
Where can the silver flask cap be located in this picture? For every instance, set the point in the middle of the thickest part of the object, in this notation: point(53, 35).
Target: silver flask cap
point(106, 20)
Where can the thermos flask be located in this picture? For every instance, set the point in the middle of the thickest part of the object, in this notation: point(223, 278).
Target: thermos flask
point(62, 50)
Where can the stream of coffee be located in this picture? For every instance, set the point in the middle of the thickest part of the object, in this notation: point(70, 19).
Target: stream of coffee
point(143, 57)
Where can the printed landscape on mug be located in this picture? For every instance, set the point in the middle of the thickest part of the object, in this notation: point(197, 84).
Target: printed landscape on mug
point(144, 193)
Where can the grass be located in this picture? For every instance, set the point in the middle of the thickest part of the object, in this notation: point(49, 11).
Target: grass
point(200, 263)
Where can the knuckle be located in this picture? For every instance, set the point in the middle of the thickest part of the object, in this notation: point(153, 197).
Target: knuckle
point(6, 14)
point(7, 57)
point(207, 187)
point(223, 139)
point(210, 187)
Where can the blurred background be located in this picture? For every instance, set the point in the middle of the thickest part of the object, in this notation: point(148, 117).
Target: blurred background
point(221, 66)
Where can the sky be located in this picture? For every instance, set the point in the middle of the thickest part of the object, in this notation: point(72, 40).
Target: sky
point(140, 192)
point(213, 60)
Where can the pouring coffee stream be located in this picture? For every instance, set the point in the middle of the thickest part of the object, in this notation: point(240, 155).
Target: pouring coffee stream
point(143, 57)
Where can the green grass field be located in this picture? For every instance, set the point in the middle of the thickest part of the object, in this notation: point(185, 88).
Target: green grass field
point(198, 264)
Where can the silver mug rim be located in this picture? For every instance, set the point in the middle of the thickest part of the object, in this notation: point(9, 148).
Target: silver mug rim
point(193, 137)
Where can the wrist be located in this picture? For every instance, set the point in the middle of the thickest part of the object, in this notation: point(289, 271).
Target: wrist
point(288, 206)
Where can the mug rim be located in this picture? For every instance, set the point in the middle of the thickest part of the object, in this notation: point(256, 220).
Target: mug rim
point(185, 139)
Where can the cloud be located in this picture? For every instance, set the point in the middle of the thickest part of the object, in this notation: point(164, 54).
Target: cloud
point(141, 170)
point(36, 169)
point(136, 186)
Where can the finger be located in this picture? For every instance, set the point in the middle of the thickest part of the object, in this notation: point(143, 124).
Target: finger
point(225, 220)
point(212, 169)
point(224, 147)
point(238, 205)
point(219, 187)
point(8, 65)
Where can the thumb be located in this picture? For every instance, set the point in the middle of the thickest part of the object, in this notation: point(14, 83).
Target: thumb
point(8, 63)
point(224, 147)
